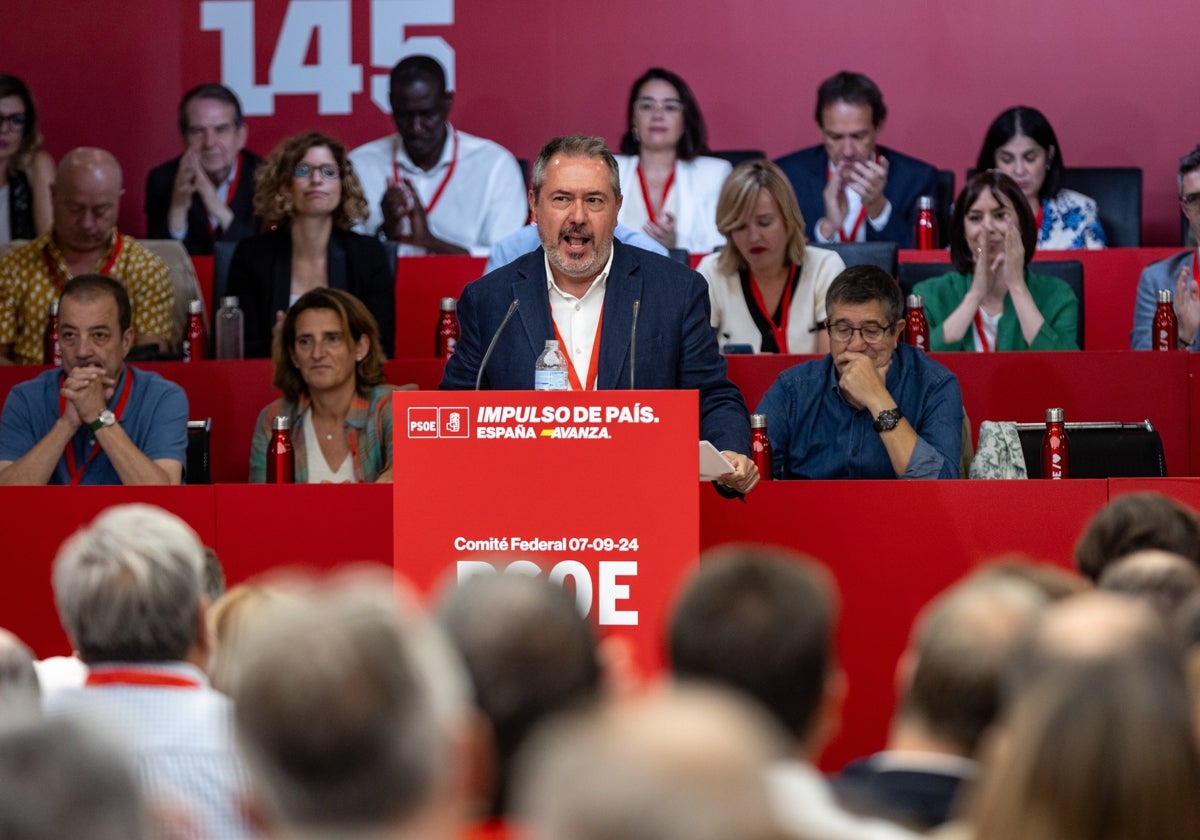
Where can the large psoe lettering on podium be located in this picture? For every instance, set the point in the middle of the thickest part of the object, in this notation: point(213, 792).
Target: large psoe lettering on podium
point(597, 490)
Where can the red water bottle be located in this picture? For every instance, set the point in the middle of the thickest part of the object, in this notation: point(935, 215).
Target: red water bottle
point(51, 349)
point(447, 334)
point(281, 458)
point(916, 331)
point(925, 229)
point(195, 339)
point(1056, 453)
point(760, 447)
point(1166, 325)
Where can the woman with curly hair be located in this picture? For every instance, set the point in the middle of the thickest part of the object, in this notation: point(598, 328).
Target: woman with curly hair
point(308, 194)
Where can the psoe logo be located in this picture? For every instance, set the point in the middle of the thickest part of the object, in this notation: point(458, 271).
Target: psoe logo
point(422, 422)
point(454, 423)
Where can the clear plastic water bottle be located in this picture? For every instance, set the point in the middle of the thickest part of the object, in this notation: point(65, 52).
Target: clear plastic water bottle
point(230, 330)
point(550, 369)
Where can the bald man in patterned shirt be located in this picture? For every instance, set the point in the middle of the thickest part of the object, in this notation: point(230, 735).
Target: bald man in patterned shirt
point(83, 240)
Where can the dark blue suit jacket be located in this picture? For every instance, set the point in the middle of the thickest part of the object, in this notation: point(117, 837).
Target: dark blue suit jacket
point(676, 344)
point(908, 180)
point(160, 183)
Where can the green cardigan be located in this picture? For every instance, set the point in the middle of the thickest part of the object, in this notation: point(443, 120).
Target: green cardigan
point(1053, 298)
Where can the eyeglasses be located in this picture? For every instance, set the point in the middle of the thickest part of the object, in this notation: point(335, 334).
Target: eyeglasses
point(1191, 201)
point(14, 121)
point(328, 171)
point(871, 333)
point(649, 106)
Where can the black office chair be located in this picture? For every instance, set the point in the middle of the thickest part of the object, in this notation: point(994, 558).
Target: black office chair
point(680, 255)
point(1069, 271)
point(199, 439)
point(883, 254)
point(736, 156)
point(1118, 194)
point(1100, 450)
point(943, 205)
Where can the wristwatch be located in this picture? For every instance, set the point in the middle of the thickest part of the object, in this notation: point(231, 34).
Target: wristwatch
point(888, 419)
point(107, 418)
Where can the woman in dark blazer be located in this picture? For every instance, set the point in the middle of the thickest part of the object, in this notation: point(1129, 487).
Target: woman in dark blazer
point(308, 192)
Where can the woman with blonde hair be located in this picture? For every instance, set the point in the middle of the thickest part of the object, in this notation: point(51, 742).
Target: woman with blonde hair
point(767, 285)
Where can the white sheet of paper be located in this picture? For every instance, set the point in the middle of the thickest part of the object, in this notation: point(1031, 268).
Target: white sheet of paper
point(713, 464)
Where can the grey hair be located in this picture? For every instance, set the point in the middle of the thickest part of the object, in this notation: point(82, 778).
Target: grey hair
point(343, 706)
point(20, 691)
point(574, 146)
point(128, 586)
point(60, 779)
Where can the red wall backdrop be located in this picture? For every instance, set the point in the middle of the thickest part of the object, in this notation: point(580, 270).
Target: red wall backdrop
point(1115, 78)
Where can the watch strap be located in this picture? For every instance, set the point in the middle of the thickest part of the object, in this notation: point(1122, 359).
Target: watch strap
point(888, 419)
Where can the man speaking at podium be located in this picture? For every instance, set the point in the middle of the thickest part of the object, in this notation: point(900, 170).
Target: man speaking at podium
point(625, 318)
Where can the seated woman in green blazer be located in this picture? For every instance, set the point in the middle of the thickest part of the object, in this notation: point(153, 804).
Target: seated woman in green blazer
point(992, 301)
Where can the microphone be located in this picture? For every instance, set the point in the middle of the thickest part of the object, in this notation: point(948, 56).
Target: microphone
point(637, 304)
point(495, 338)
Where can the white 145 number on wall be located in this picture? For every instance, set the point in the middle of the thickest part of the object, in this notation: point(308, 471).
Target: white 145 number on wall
point(334, 78)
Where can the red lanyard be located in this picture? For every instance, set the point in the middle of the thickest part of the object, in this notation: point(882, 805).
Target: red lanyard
point(593, 365)
point(862, 213)
point(1041, 215)
point(785, 304)
point(646, 193)
point(138, 676)
point(233, 185)
point(442, 186)
point(57, 274)
point(983, 339)
point(77, 473)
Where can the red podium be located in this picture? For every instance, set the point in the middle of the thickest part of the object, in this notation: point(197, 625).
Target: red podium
point(596, 489)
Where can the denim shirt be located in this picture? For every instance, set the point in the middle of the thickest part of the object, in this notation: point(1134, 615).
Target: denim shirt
point(815, 433)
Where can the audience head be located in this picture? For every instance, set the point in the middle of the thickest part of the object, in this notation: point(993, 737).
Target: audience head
point(761, 620)
point(95, 321)
point(86, 199)
point(1189, 188)
point(420, 105)
point(529, 652)
point(210, 120)
point(345, 711)
point(758, 208)
point(20, 138)
point(309, 175)
point(989, 197)
point(20, 691)
point(231, 618)
point(850, 113)
point(1134, 522)
point(1102, 753)
point(1053, 582)
point(1021, 144)
point(344, 327)
point(682, 125)
point(59, 779)
point(130, 588)
point(681, 764)
point(961, 650)
point(1162, 579)
point(1093, 627)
